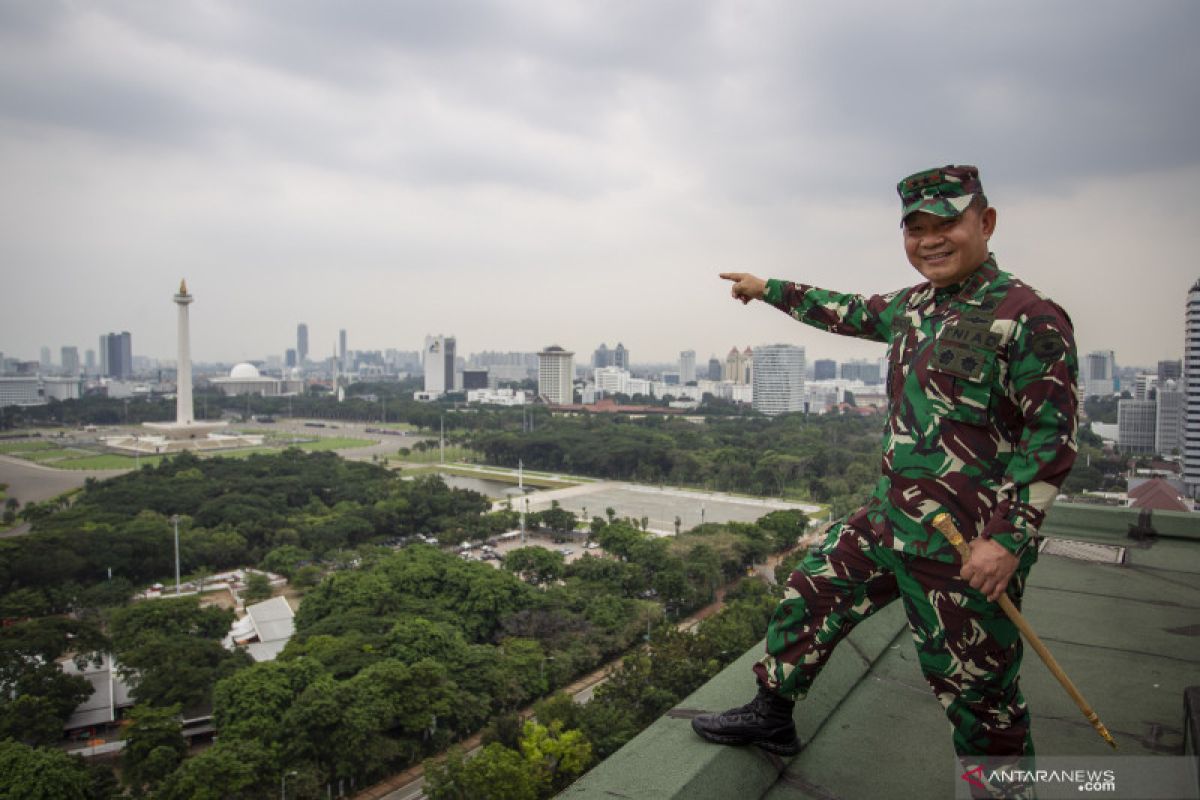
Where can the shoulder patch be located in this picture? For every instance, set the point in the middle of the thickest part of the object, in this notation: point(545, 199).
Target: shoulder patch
point(1048, 345)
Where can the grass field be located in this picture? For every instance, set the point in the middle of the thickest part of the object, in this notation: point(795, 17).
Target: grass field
point(434, 455)
point(336, 443)
point(106, 461)
point(26, 446)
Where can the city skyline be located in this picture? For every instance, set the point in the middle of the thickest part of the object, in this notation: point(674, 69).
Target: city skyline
point(523, 176)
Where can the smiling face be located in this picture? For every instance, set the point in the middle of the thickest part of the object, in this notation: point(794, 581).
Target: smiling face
point(947, 250)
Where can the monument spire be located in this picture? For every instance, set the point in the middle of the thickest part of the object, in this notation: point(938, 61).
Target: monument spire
point(183, 370)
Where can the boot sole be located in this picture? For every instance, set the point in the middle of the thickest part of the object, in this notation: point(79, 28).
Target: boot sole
point(786, 749)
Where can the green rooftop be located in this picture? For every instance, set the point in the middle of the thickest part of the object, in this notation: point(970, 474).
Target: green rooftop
point(1127, 634)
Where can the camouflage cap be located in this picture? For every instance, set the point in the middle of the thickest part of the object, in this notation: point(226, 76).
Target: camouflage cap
point(943, 191)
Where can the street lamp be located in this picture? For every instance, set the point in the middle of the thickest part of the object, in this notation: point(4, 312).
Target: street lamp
point(175, 520)
point(283, 783)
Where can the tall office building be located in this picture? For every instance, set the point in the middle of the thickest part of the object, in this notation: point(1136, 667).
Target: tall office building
point(70, 360)
point(687, 367)
point(739, 366)
point(778, 379)
point(714, 368)
point(620, 357)
point(45, 359)
point(289, 357)
point(1191, 392)
point(1100, 371)
point(342, 348)
point(439, 363)
point(824, 369)
point(556, 375)
point(89, 361)
point(1168, 424)
point(601, 357)
point(1170, 370)
point(301, 343)
point(117, 351)
point(1136, 421)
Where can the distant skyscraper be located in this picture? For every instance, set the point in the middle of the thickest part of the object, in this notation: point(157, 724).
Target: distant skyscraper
point(89, 361)
point(118, 354)
point(289, 357)
point(70, 360)
point(601, 357)
point(620, 357)
point(687, 367)
point(1168, 423)
point(556, 375)
point(778, 379)
point(1136, 421)
point(1191, 391)
point(1100, 367)
point(301, 343)
point(1170, 370)
point(439, 363)
point(739, 366)
point(342, 348)
point(824, 369)
point(45, 359)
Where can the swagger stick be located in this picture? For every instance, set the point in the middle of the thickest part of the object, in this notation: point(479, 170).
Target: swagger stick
point(946, 525)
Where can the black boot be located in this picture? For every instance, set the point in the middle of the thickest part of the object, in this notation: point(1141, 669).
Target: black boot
point(765, 721)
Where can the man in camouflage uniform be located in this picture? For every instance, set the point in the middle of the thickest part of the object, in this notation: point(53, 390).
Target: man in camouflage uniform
point(981, 424)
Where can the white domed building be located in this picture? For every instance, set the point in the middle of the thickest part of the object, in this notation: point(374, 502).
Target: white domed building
point(245, 378)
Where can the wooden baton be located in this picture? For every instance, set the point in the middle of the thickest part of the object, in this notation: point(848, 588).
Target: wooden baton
point(945, 524)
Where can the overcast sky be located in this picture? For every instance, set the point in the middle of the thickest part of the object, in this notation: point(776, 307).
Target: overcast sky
point(520, 174)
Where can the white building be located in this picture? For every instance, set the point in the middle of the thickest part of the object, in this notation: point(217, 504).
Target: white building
point(21, 391)
point(687, 366)
point(556, 375)
point(246, 379)
point(1136, 425)
point(1191, 392)
point(611, 380)
point(778, 379)
point(1099, 373)
point(439, 364)
point(496, 397)
point(1168, 426)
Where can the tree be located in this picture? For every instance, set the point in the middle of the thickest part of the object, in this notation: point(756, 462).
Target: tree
point(535, 565)
point(555, 756)
point(154, 746)
point(496, 773)
point(41, 773)
point(258, 588)
point(231, 768)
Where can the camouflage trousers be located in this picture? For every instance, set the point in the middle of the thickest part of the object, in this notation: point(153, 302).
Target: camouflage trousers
point(969, 651)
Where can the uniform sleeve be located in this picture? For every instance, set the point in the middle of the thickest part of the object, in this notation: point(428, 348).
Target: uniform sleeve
point(1043, 373)
point(846, 314)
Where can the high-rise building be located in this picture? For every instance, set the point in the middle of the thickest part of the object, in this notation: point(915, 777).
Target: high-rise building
point(1144, 386)
point(620, 357)
point(861, 370)
point(556, 375)
point(739, 366)
point(301, 343)
point(45, 359)
point(602, 357)
point(289, 357)
point(103, 348)
point(1136, 421)
point(1168, 424)
point(1100, 372)
point(475, 379)
point(714, 368)
point(824, 369)
point(611, 380)
point(117, 350)
point(1170, 370)
point(70, 360)
point(1191, 392)
point(439, 363)
point(342, 348)
point(778, 379)
point(89, 361)
point(687, 367)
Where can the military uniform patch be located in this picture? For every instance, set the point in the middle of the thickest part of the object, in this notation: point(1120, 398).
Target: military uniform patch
point(962, 362)
point(1048, 345)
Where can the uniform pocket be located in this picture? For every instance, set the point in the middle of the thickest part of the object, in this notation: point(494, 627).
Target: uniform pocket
point(961, 382)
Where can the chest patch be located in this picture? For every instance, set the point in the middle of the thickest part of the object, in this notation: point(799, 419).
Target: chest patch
point(958, 360)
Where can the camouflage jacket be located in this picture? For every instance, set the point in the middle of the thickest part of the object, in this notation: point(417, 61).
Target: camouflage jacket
point(982, 404)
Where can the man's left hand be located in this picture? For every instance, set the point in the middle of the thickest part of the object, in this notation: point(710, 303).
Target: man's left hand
point(989, 567)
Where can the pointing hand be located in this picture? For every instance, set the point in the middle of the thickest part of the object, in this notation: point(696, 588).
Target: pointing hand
point(746, 287)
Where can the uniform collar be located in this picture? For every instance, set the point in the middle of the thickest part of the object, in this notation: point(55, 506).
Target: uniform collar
point(975, 286)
